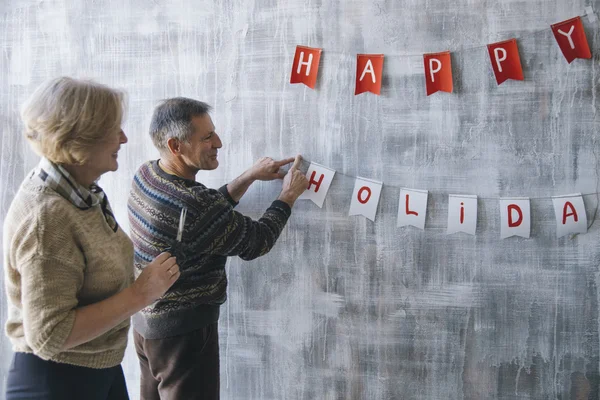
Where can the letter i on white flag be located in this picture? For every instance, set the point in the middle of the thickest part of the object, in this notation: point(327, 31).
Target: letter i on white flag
point(462, 214)
point(319, 179)
point(412, 208)
point(570, 214)
point(365, 198)
point(515, 217)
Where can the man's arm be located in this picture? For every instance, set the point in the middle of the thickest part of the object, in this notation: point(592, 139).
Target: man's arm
point(220, 230)
point(265, 169)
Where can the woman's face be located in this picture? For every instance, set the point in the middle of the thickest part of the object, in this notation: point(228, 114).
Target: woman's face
point(104, 154)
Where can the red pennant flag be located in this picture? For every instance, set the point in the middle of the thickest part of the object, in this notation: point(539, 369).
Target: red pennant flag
point(506, 61)
point(368, 73)
point(571, 39)
point(306, 66)
point(438, 72)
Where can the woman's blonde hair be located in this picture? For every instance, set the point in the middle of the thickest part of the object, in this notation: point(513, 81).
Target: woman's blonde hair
point(65, 118)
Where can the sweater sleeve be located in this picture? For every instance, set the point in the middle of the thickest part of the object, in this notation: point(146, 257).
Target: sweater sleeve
point(51, 268)
point(220, 230)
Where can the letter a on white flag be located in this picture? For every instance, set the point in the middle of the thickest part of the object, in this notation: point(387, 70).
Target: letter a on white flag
point(570, 214)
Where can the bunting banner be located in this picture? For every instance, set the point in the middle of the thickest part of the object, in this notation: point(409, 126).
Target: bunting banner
point(368, 73)
point(515, 217)
point(462, 214)
point(515, 213)
point(365, 198)
point(319, 180)
point(306, 66)
point(571, 39)
point(506, 62)
point(438, 72)
point(570, 214)
point(413, 208)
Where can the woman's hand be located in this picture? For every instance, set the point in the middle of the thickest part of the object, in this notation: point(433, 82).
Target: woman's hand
point(156, 278)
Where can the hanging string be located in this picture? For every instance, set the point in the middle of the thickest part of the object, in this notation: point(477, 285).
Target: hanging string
point(459, 50)
point(307, 163)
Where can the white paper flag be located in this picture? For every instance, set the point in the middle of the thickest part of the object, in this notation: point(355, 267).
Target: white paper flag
point(462, 214)
point(515, 217)
point(365, 198)
point(412, 208)
point(319, 179)
point(570, 214)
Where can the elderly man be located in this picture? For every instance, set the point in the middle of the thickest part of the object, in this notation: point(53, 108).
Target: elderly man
point(176, 337)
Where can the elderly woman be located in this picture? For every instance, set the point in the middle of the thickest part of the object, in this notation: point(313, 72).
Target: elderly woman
point(68, 265)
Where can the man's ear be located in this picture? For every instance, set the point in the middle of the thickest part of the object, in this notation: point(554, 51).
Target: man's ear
point(174, 146)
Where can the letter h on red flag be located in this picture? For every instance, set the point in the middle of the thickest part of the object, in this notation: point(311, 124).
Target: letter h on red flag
point(571, 39)
point(306, 66)
point(505, 60)
point(368, 73)
point(438, 72)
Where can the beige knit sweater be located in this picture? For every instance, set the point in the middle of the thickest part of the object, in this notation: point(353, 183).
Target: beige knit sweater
point(57, 258)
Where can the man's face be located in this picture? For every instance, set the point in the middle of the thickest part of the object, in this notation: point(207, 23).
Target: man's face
point(201, 151)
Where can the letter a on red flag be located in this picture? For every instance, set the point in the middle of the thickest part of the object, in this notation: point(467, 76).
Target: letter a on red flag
point(571, 39)
point(438, 72)
point(505, 60)
point(306, 66)
point(368, 73)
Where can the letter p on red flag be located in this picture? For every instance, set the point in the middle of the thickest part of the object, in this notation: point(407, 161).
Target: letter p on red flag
point(306, 66)
point(368, 73)
point(438, 72)
point(506, 62)
point(571, 39)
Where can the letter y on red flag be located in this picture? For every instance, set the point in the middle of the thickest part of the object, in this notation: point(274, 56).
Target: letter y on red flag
point(571, 39)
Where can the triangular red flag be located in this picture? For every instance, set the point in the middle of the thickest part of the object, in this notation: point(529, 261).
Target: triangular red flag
point(306, 66)
point(505, 60)
point(368, 73)
point(438, 72)
point(571, 39)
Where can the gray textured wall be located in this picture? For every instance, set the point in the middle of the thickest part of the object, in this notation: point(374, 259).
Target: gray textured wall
point(344, 308)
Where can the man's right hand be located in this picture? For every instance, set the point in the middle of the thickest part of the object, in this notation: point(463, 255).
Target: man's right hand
point(294, 183)
point(156, 278)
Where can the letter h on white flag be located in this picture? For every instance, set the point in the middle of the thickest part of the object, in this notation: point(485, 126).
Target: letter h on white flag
point(365, 198)
point(319, 179)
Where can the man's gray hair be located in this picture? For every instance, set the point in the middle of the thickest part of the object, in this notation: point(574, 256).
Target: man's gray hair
point(172, 118)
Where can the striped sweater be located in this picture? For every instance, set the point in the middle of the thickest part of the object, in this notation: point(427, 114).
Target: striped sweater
point(213, 231)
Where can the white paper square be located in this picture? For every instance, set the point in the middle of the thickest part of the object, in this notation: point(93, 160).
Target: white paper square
point(512, 206)
point(319, 178)
point(462, 214)
point(412, 208)
point(369, 192)
point(568, 208)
